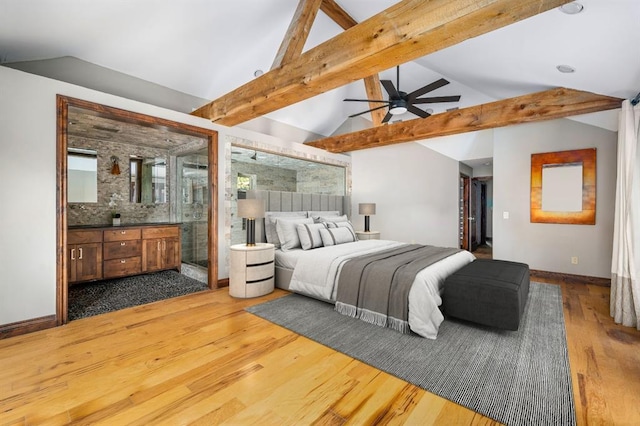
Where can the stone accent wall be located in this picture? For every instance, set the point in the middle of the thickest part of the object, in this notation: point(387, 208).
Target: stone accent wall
point(322, 180)
point(100, 213)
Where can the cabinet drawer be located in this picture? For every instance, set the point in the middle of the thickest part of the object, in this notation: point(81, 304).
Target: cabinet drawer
point(259, 273)
point(160, 232)
point(255, 257)
point(122, 249)
point(121, 267)
point(122, 235)
point(84, 236)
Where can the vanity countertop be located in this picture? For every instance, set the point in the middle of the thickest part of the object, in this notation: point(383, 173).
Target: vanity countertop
point(124, 225)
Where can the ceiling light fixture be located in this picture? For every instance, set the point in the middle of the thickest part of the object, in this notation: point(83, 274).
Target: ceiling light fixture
point(258, 73)
point(567, 69)
point(572, 8)
point(397, 107)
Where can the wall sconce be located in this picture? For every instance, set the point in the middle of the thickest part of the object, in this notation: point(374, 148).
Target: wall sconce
point(115, 167)
point(251, 209)
point(367, 209)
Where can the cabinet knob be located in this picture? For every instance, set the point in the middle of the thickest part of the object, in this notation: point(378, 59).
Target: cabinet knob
point(123, 261)
point(123, 244)
point(123, 232)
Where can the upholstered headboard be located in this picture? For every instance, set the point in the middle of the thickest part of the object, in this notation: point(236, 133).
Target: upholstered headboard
point(282, 201)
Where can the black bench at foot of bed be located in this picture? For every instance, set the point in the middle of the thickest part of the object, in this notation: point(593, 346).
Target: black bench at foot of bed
point(488, 292)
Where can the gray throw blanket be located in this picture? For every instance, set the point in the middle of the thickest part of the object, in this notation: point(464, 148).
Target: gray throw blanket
point(375, 287)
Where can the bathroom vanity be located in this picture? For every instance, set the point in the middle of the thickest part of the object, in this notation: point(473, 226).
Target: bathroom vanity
point(103, 252)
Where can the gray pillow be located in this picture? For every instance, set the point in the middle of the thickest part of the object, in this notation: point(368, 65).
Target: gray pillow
point(287, 233)
point(334, 236)
point(309, 235)
point(270, 225)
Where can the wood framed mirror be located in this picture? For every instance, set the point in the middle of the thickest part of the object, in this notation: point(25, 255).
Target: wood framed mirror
point(563, 187)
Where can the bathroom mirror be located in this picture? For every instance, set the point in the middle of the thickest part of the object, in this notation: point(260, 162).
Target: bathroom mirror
point(82, 175)
point(147, 180)
point(563, 187)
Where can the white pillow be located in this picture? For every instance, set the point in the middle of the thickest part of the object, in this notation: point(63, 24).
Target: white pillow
point(316, 215)
point(287, 233)
point(334, 236)
point(345, 224)
point(342, 218)
point(270, 225)
point(309, 234)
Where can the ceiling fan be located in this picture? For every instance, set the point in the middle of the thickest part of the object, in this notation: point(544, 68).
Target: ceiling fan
point(400, 102)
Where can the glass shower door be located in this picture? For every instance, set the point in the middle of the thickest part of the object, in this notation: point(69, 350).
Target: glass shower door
point(192, 210)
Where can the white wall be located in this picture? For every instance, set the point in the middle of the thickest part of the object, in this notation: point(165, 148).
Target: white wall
point(549, 247)
point(28, 188)
point(415, 190)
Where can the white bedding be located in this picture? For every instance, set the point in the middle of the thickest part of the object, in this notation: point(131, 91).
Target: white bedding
point(316, 271)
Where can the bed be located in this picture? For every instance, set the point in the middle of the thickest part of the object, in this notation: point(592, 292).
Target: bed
point(309, 264)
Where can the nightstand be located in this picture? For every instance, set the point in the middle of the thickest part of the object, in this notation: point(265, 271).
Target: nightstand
point(371, 235)
point(252, 270)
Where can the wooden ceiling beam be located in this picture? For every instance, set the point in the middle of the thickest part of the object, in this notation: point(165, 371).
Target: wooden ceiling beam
point(547, 105)
point(405, 31)
point(297, 33)
point(371, 83)
point(337, 14)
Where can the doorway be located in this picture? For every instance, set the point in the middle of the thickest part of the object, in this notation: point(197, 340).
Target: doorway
point(476, 215)
point(145, 121)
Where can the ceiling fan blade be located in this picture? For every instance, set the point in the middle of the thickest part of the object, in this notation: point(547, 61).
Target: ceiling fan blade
point(364, 100)
point(369, 110)
point(436, 99)
point(428, 88)
point(387, 118)
point(390, 88)
point(417, 111)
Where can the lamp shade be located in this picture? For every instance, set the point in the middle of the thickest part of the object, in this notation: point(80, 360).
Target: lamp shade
point(367, 208)
point(251, 208)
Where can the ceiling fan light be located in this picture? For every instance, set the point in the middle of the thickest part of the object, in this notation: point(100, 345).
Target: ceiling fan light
point(397, 107)
point(397, 110)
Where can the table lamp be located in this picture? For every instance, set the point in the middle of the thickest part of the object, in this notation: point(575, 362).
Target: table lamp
point(250, 209)
point(367, 209)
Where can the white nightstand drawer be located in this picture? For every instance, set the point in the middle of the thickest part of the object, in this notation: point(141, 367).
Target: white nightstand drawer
point(256, 257)
point(372, 235)
point(259, 288)
point(259, 273)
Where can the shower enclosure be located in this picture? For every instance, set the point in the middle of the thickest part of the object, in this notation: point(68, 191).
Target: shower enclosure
point(192, 191)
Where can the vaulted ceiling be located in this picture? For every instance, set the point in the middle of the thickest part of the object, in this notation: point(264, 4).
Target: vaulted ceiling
point(206, 49)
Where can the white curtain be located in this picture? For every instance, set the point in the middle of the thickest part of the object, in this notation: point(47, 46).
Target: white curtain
point(625, 288)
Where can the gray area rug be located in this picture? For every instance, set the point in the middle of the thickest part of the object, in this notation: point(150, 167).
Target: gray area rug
point(100, 297)
point(515, 377)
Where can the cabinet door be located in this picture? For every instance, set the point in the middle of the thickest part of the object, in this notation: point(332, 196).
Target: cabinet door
point(72, 257)
point(88, 262)
point(171, 258)
point(152, 255)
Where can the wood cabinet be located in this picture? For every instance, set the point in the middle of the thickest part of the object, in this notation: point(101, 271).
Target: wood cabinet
point(252, 270)
point(84, 255)
point(122, 252)
point(112, 252)
point(161, 248)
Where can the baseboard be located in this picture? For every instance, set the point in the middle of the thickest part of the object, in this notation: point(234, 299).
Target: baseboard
point(27, 326)
point(224, 282)
point(569, 278)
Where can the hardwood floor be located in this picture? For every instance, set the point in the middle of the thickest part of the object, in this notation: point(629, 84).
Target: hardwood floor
point(201, 359)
